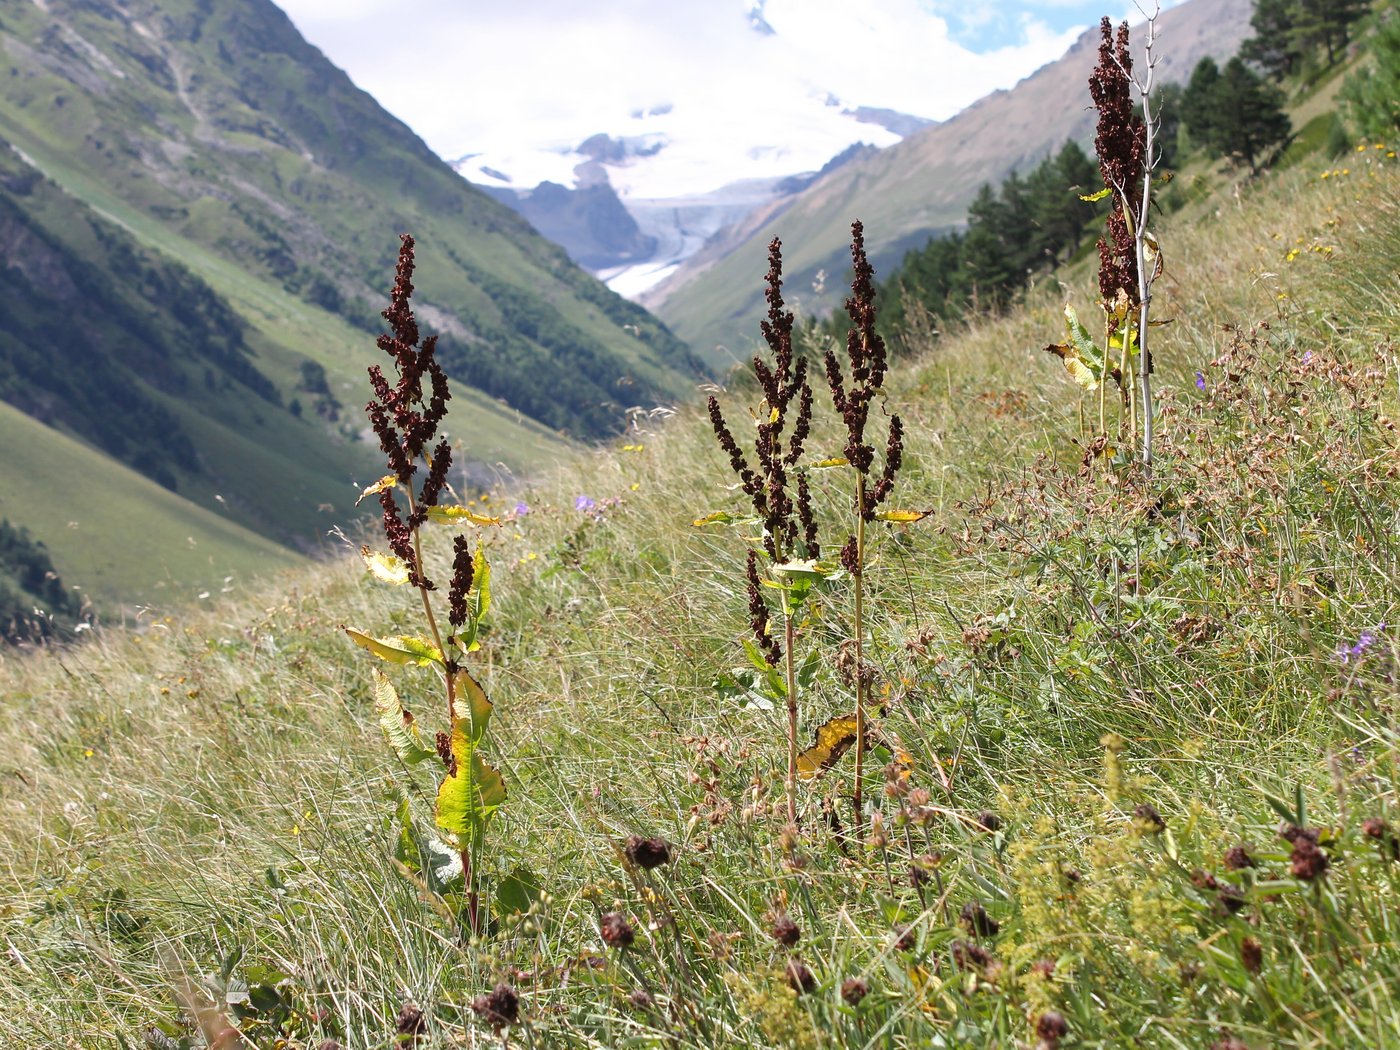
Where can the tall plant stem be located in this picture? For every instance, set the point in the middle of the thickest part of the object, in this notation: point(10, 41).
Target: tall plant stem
point(860, 652)
point(790, 636)
point(468, 867)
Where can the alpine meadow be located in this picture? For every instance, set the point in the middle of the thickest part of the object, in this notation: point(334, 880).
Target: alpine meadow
point(1007, 658)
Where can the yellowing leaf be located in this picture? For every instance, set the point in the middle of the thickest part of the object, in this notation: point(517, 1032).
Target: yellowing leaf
point(397, 650)
point(388, 481)
point(718, 518)
point(398, 724)
point(774, 415)
point(471, 793)
point(834, 738)
point(472, 706)
point(459, 516)
point(904, 515)
point(830, 461)
point(385, 567)
point(1091, 198)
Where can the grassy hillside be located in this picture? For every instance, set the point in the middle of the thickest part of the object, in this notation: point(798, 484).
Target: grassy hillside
point(916, 189)
point(170, 550)
point(204, 811)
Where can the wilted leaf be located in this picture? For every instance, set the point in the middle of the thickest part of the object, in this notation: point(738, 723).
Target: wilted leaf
point(469, 797)
point(400, 649)
point(904, 515)
point(385, 567)
point(1081, 356)
point(388, 481)
point(834, 738)
point(459, 516)
point(802, 568)
point(398, 724)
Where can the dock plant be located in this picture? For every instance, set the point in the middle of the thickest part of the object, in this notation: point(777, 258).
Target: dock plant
point(777, 488)
point(1125, 142)
point(405, 413)
point(857, 385)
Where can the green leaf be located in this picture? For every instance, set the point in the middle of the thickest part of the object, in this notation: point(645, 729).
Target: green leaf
point(469, 797)
point(1094, 198)
point(756, 657)
point(472, 705)
point(1284, 810)
point(719, 517)
point(398, 723)
point(517, 892)
point(401, 649)
point(459, 516)
point(385, 567)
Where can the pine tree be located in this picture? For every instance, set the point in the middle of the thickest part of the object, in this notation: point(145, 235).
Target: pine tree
point(1249, 114)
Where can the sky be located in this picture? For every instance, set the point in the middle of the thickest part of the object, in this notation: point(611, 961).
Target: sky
point(517, 84)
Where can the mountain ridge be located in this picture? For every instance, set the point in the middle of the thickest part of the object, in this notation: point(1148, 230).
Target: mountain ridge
point(711, 300)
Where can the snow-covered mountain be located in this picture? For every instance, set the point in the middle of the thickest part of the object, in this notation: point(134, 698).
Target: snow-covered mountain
point(751, 113)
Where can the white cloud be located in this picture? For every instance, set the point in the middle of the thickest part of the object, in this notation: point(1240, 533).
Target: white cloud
point(513, 81)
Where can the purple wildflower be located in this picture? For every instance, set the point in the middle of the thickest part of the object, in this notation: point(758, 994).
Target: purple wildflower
point(1200, 381)
point(1366, 639)
point(586, 504)
point(521, 509)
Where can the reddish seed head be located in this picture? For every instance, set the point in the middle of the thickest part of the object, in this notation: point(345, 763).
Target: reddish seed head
point(1237, 858)
point(410, 1025)
point(853, 990)
point(1251, 955)
point(499, 1008)
point(1051, 1027)
point(799, 977)
point(784, 930)
point(616, 930)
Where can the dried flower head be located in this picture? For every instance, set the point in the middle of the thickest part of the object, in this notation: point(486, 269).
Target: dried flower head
point(617, 932)
point(800, 977)
point(853, 990)
point(867, 361)
point(1050, 1028)
point(784, 384)
point(647, 853)
point(500, 1007)
point(977, 922)
point(410, 1026)
point(1251, 955)
point(784, 930)
point(1237, 858)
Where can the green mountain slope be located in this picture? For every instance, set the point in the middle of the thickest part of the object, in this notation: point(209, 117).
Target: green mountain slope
point(915, 190)
point(113, 534)
point(218, 120)
point(199, 217)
